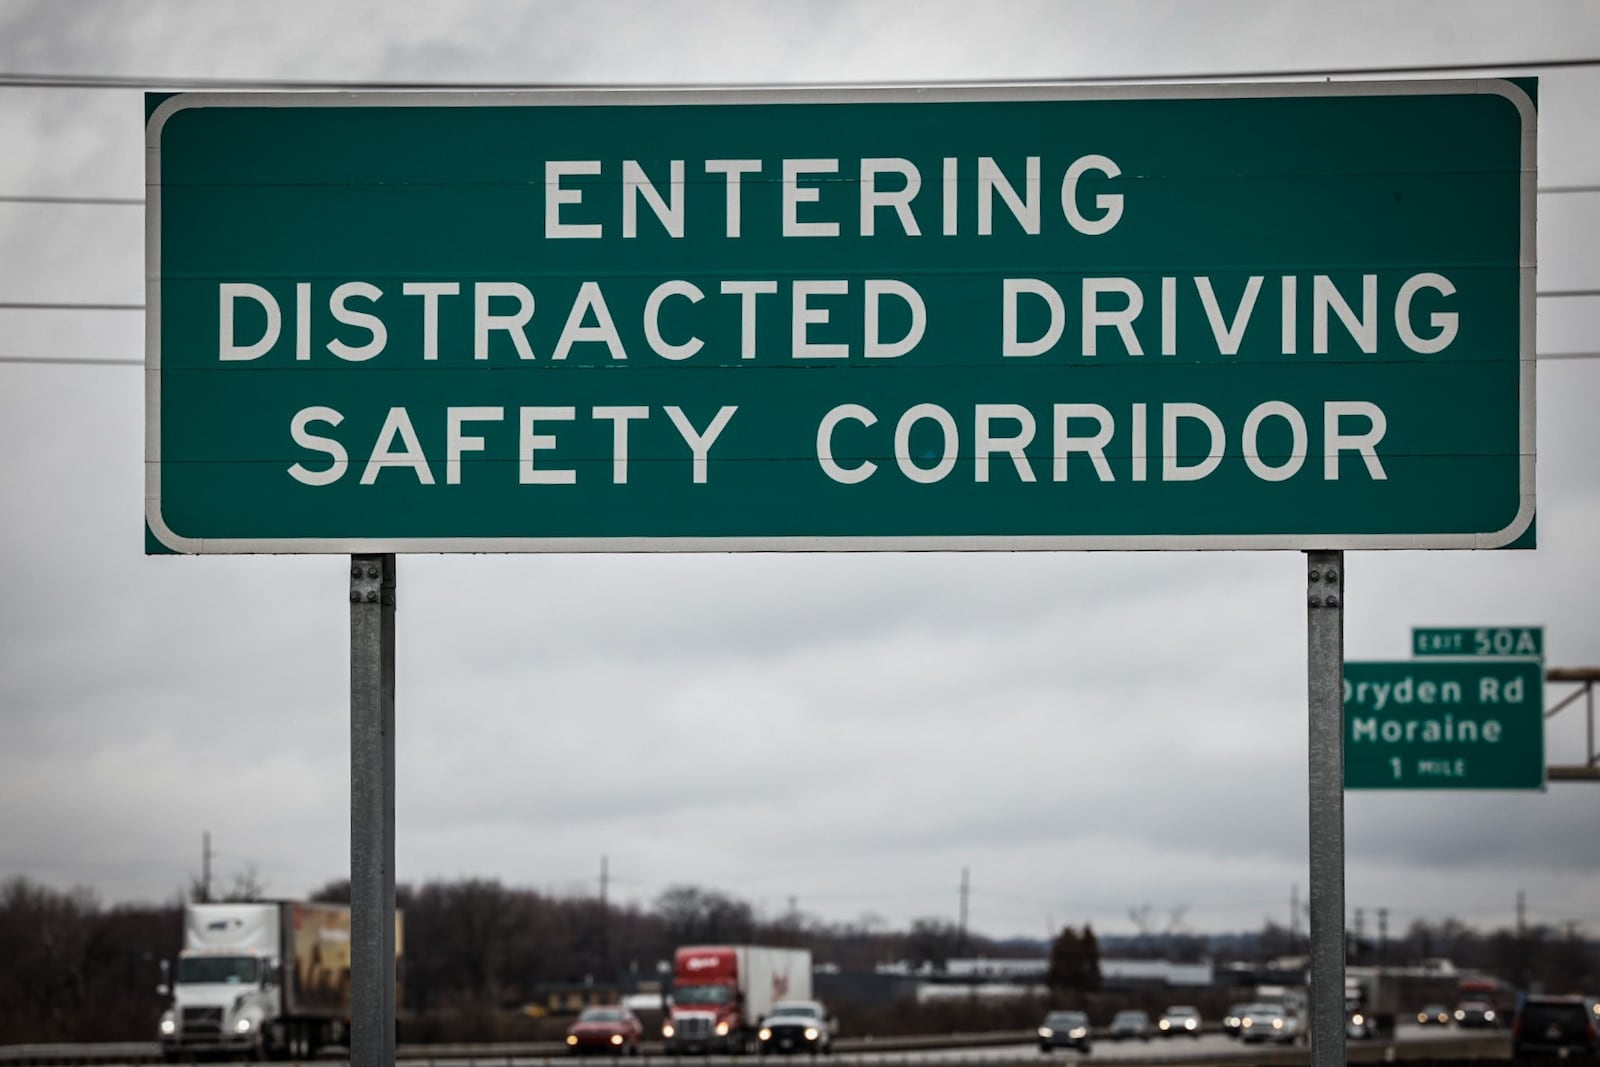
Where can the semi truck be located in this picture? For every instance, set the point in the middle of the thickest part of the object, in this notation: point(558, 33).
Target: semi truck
point(264, 979)
point(1482, 1001)
point(720, 993)
point(1371, 1004)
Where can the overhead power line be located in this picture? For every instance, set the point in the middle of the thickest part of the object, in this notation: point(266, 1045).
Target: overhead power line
point(118, 201)
point(29, 80)
point(64, 305)
point(73, 361)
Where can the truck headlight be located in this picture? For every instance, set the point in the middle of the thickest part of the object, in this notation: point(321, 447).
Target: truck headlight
point(1488, 1016)
point(572, 1039)
point(616, 1039)
point(243, 1026)
point(169, 1025)
point(811, 1033)
point(765, 1034)
point(722, 1029)
point(1357, 1018)
point(1078, 1031)
point(667, 1030)
point(1189, 1024)
point(1277, 1024)
point(1045, 1031)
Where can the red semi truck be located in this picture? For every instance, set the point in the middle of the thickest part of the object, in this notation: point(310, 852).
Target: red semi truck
point(1485, 1002)
point(720, 993)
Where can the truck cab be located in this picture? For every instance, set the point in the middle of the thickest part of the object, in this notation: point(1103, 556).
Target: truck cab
point(706, 1013)
point(222, 1001)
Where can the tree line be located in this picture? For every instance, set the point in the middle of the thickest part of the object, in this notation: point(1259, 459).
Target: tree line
point(477, 952)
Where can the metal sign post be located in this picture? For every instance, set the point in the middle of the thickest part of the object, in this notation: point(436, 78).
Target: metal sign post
point(1325, 683)
point(372, 978)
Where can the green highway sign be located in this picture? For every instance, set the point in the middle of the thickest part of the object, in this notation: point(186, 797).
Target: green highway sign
point(1033, 317)
point(1478, 641)
point(1444, 724)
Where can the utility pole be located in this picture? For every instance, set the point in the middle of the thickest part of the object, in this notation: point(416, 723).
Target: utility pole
point(965, 889)
point(1361, 933)
point(604, 917)
point(1383, 936)
point(205, 866)
point(1294, 919)
point(1522, 915)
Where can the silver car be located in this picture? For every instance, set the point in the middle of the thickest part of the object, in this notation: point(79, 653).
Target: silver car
point(1269, 1022)
point(1180, 1020)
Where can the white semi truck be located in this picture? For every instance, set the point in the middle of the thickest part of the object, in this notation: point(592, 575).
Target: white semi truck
point(266, 979)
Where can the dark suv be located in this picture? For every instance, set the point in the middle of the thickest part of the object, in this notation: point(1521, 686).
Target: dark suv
point(1065, 1029)
point(1554, 1026)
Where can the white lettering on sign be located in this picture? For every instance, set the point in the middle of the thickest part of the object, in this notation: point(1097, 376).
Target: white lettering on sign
point(571, 205)
point(700, 963)
point(716, 322)
point(1228, 332)
point(1442, 768)
point(1505, 643)
point(1092, 431)
point(1483, 641)
point(398, 445)
point(1033, 320)
point(1379, 695)
point(1445, 730)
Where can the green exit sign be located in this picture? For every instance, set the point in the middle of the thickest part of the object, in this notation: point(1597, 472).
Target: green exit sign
point(1478, 641)
point(1442, 724)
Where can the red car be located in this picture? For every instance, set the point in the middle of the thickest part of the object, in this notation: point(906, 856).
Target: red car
point(612, 1029)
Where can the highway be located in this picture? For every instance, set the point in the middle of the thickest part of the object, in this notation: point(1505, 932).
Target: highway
point(1209, 1050)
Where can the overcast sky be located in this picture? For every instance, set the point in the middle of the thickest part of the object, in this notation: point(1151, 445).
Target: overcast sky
point(1088, 733)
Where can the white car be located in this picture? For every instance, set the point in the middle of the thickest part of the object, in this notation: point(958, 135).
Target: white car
point(1180, 1019)
point(1269, 1022)
point(797, 1026)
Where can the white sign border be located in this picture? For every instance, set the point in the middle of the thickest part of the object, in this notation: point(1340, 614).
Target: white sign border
point(633, 97)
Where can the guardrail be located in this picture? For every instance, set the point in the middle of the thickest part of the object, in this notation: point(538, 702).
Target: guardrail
point(137, 1052)
point(1483, 1047)
point(104, 1052)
